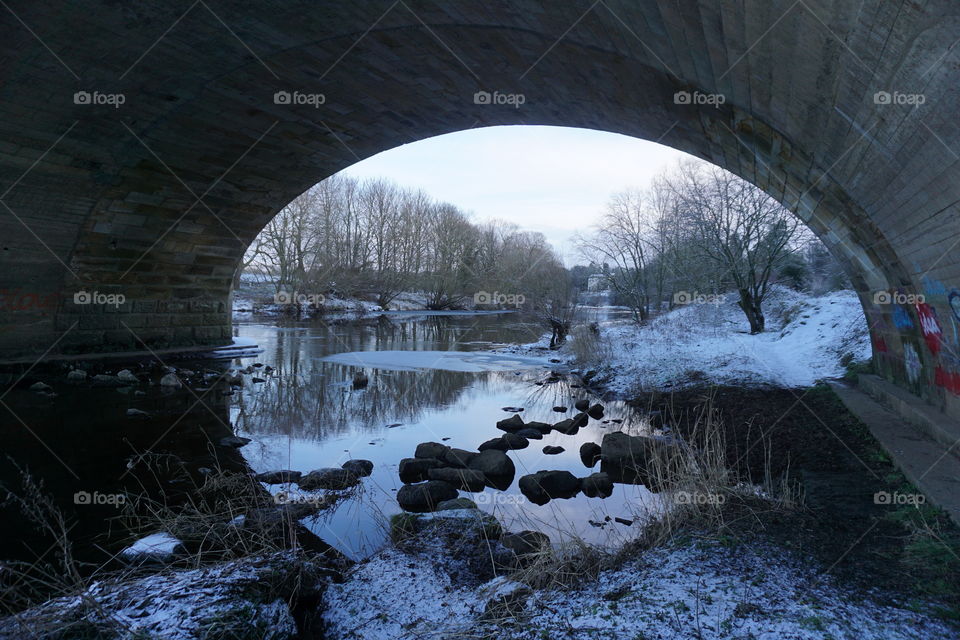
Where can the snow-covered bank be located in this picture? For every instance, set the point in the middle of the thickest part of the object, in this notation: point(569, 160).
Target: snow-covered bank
point(806, 339)
point(706, 591)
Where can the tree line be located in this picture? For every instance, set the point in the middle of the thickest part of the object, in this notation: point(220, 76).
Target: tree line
point(373, 239)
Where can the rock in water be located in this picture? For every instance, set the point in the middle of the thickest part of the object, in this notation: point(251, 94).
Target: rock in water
point(127, 376)
point(581, 405)
point(514, 441)
point(496, 443)
point(589, 454)
point(170, 380)
point(361, 468)
point(278, 477)
point(596, 411)
point(234, 441)
point(552, 451)
point(470, 480)
point(425, 496)
point(542, 427)
point(494, 464)
point(542, 486)
point(512, 424)
point(330, 478)
point(628, 458)
point(560, 409)
point(458, 457)
point(430, 450)
point(530, 434)
point(597, 485)
point(566, 427)
point(77, 376)
point(415, 469)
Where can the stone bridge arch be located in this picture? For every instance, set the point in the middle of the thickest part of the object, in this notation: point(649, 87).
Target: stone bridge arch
point(144, 146)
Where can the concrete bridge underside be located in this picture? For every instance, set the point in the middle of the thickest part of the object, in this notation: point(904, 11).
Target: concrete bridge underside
point(144, 144)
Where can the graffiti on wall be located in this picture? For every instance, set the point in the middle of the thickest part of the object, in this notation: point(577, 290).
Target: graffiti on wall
point(911, 361)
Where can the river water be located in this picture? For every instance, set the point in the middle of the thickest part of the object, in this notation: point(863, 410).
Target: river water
point(432, 377)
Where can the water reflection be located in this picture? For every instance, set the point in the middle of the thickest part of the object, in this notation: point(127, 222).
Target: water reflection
point(308, 416)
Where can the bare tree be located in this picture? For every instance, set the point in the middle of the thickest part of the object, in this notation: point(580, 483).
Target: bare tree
point(738, 227)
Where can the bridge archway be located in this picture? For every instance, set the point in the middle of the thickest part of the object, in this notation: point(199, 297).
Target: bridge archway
point(144, 147)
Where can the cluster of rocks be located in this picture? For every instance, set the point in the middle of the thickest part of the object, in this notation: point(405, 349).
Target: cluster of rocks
point(438, 472)
point(331, 478)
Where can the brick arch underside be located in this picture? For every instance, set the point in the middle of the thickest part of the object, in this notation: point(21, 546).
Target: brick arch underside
point(158, 199)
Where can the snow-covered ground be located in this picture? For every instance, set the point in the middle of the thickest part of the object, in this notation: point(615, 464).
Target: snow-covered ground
point(706, 591)
point(805, 339)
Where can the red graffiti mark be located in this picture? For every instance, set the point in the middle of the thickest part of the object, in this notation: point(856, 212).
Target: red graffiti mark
point(930, 326)
point(880, 345)
point(949, 380)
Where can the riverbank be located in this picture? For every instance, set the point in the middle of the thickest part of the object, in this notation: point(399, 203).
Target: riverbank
point(808, 338)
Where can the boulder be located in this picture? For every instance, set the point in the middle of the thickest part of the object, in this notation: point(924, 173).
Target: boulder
point(234, 441)
point(415, 469)
point(170, 380)
point(589, 454)
point(543, 486)
point(425, 496)
point(279, 477)
point(497, 443)
point(77, 376)
point(514, 441)
point(330, 478)
point(430, 450)
point(470, 480)
point(597, 485)
point(525, 542)
point(103, 380)
point(542, 427)
point(581, 405)
point(580, 420)
point(360, 468)
point(596, 411)
point(530, 434)
point(495, 465)
point(458, 457)
point(552, 451)
point(137, 413)
point(627, 458)
point(127, 376)
point(457, 503)
point(512, 424)
point(560, 409)
point(566, 427)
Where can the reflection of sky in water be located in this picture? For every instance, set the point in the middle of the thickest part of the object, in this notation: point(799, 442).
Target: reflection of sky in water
point(311, 417)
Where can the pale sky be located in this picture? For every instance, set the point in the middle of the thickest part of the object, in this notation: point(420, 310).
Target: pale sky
point(554, 180)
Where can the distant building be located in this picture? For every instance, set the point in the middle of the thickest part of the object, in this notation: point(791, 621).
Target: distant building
point(597, 282)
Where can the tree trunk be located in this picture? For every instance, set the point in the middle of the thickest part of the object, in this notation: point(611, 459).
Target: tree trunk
point(751, 308)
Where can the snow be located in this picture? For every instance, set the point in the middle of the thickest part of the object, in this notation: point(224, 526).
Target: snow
point(471, 361)
point(160, 545)
point(708, 591)
point(805, 339)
